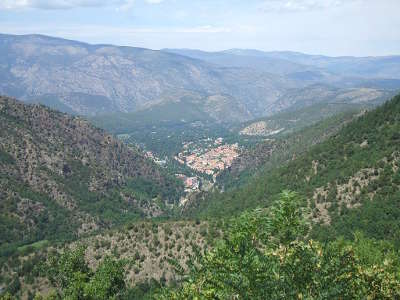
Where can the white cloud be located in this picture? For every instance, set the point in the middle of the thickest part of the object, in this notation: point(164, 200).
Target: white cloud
point(13, 4)
point(87, 31)
point(53, 4)
point(127, 5)
point(68, 4)
point(300, 5)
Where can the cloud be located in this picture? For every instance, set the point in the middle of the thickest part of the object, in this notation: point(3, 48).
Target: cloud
point(300, 5)
point(68, 4)
point(53, 4)
point(87, 31)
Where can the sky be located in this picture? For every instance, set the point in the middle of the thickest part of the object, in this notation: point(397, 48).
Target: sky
point(329, 27)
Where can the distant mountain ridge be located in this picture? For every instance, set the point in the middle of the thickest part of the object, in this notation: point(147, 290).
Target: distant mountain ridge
point(368, 67)
point(84, 79)
point(94, 79)
point(233, 59)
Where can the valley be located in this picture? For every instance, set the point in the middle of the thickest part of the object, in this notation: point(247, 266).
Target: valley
point(152, 249)
point(131, 173)
point(208, 156)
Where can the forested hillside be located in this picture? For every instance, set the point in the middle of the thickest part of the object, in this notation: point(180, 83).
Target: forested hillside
point(268, 254)
point(61, 178)
point(347, 186)
point(351, 180)
point(295, 139)
point(199, 150)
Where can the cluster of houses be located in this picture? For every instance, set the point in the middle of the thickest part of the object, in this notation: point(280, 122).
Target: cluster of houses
point(211, 160)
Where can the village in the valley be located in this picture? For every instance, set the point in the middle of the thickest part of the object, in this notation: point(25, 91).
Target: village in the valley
point(207, 156)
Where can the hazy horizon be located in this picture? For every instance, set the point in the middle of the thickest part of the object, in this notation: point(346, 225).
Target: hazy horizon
point(194, 49)
point(324, 27)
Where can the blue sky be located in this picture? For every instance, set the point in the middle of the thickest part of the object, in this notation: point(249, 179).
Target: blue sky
point(330, 27)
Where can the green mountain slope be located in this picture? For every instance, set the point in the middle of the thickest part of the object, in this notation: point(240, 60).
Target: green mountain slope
point(304, 107)
point(351, 180)
point(60, 177)
point(282, 147)
point(166, 114)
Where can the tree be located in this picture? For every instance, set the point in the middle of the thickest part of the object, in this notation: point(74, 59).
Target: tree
point(266, 255)
point(107, 282)
point(74, 280)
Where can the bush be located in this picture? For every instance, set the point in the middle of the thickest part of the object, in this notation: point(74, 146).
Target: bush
point(71, 275)
point(265, 256)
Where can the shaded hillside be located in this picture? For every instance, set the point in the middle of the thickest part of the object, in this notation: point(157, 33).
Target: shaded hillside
point(61, 177)
point(351, 180)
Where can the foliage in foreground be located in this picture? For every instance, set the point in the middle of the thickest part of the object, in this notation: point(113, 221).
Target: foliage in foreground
point(266, 255)
point(73, 278)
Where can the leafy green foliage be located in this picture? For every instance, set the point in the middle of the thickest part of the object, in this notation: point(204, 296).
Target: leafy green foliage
point(73, 278)
point(6, 158)
point(265, 256)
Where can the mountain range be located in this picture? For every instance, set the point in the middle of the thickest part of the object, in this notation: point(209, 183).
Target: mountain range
point(229, 86)
point(288, 62)
point(320, 126)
